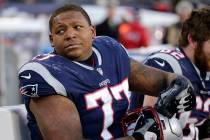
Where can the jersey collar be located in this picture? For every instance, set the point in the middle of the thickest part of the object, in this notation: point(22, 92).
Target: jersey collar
point(98, 60)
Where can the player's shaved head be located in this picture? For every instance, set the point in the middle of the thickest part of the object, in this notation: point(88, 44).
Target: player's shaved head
point(65, 8)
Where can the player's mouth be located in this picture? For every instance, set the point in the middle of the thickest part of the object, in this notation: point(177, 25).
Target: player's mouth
point(73, 46)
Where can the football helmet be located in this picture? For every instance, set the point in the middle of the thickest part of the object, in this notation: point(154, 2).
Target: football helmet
point(164, 128)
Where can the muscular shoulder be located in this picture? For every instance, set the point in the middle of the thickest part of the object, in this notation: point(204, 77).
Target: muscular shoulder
point(106, 40)
point(168, 60)
point(109, 46)
point(108, 43)
point(36, 78)
point(41, 65)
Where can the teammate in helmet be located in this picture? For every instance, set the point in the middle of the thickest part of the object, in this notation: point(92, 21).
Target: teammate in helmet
point(191, 60)
point(80, 91)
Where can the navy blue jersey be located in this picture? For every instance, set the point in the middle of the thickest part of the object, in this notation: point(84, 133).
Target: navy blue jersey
point(207, 81)
point(176, 61)
point(100, 91)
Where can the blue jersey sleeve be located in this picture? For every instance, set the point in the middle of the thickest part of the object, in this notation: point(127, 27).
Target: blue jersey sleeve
point(164, 62)
point(36, 81)
point(159, 63)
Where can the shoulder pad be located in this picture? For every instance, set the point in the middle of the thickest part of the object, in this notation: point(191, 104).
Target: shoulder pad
point(162, 60)
point(36, 80)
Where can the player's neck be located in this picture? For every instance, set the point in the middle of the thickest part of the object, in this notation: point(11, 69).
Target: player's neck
point(90, 61)
point(189, 52)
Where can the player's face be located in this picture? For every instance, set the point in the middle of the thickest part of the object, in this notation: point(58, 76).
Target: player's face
point(202, 54)
point(72, 36)
point(206, 50)
point(209, 65)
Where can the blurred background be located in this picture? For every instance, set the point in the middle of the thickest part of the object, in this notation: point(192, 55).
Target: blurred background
point(142, 26)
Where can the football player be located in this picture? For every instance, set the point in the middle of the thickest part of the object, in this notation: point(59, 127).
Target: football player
point(191, 60)
point(81, 90)
point(204, 127)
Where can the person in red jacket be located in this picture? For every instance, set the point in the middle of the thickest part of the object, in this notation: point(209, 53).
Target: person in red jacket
point(133, 34)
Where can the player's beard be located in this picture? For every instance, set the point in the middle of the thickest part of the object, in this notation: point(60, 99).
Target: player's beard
point(200, 59)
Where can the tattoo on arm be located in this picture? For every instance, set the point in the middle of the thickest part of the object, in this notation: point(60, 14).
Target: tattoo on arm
point(147, 80)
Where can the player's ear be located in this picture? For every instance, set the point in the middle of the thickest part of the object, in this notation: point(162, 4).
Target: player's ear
point(51, 40)
point(189, 38)
point(93, 30)
point(191, 41)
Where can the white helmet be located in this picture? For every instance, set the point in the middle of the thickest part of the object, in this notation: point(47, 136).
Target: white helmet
point(164, 128)
point(171, 128)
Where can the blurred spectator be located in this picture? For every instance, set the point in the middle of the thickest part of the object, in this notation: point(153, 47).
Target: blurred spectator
point(132, 34)
point(182, 9)
point(108, 27)
point(2, 2)
point(28, 2)
point(163, 6)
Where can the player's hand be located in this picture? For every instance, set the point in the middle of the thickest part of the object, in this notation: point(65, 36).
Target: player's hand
point(142, 128)
point(177, 98)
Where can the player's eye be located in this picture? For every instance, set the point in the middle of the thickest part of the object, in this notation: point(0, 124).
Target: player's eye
point(77, 27)
point(60, 31)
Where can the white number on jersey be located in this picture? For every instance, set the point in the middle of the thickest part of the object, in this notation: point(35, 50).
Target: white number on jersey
point(107, 96)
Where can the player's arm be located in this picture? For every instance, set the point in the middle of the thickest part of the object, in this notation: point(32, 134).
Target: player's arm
point(175, 93)
point(155, 62)
point(145, 79)
point(57, 118)
point(149, 100)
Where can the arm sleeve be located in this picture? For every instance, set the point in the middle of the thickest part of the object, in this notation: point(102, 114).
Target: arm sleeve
point(36, 81)
point(164, 62)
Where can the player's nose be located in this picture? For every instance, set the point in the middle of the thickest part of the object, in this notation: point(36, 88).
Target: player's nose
point(70, 34)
